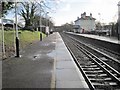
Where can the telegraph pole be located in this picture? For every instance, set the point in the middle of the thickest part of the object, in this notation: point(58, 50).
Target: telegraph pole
point(16, 29)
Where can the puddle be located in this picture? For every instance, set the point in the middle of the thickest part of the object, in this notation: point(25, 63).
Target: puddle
point(46, 54)
point(53, 42)
point(52, 54)
point(36, 56)
point(45, 44)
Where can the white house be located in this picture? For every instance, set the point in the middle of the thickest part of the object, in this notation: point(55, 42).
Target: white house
point(87, 23)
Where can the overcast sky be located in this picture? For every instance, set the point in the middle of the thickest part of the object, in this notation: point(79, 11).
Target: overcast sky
point(69, 10)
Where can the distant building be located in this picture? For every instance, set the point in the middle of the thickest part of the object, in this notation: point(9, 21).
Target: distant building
point(9, 24)
point(86, 23)
point(76, 28)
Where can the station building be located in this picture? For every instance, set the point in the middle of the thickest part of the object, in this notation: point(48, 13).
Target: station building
point(86, 23)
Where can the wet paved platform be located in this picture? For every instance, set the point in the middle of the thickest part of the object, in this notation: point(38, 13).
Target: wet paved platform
point(45, 64)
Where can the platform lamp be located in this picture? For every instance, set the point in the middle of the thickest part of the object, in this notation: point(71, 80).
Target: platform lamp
point(47, 28)
point(2, 27)
point(16, 29)
point(118, 20)
point(46, 18)
point(3, 43)
point(49, 24)
point(40, 21)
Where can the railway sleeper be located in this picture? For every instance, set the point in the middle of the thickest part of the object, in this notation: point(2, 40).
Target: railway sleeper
point(82, 63)
point(89, 69)
point(94, 72)
point(90, 66)
point(100, 80)
point(99, 84)
point(107, 87)
point(97, 75)
point(105, 79)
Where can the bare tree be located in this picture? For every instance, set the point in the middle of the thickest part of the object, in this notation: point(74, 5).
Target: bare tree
point(30, 9)
point(5, 7)
point(28, 13)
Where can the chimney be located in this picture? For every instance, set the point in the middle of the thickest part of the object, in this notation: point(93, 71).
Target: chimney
point(90, 15)
point(84, 14)
point(81, 15)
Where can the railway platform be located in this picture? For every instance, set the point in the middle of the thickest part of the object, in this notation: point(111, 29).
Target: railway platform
point(110, 43)
point(102, 38)
point(43, 64)
point(108, 39)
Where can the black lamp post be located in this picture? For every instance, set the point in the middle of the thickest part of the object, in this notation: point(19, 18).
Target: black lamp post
point(40, 21)
point(47, 22)
point(16, 29)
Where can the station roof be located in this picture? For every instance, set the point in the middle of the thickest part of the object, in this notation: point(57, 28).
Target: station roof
point(86, 18)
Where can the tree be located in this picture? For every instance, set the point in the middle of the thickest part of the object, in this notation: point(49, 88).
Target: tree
point(28, 13)
point(30, 10)
point(43, 21)
point(98, 26)
point(5, 7)
point(67, 27)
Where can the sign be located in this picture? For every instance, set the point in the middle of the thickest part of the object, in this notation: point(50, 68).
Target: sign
point(47, 30)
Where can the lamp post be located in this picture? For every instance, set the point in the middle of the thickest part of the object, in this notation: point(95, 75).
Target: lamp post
point(99, 20)
point(2, 27)
point(47, 28)
point(40, 23)
point(49, 21)
point(49, 24)
point(118, 20)
point(46, 18)
point(3, 44)
point(16, 29)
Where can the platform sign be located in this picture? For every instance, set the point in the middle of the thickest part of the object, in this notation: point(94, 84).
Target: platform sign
point(47, 30)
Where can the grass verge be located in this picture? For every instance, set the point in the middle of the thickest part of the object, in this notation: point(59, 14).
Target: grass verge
point(25, 38)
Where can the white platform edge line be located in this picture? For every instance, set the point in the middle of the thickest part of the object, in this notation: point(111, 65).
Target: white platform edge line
point(76, 68)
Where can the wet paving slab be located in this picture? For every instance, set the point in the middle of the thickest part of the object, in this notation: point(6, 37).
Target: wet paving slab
point(34, 69)
point(44, 64)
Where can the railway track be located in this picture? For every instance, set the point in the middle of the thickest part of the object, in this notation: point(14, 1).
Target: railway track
point(108, 58)
point(97, 72)
point(102, 49)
